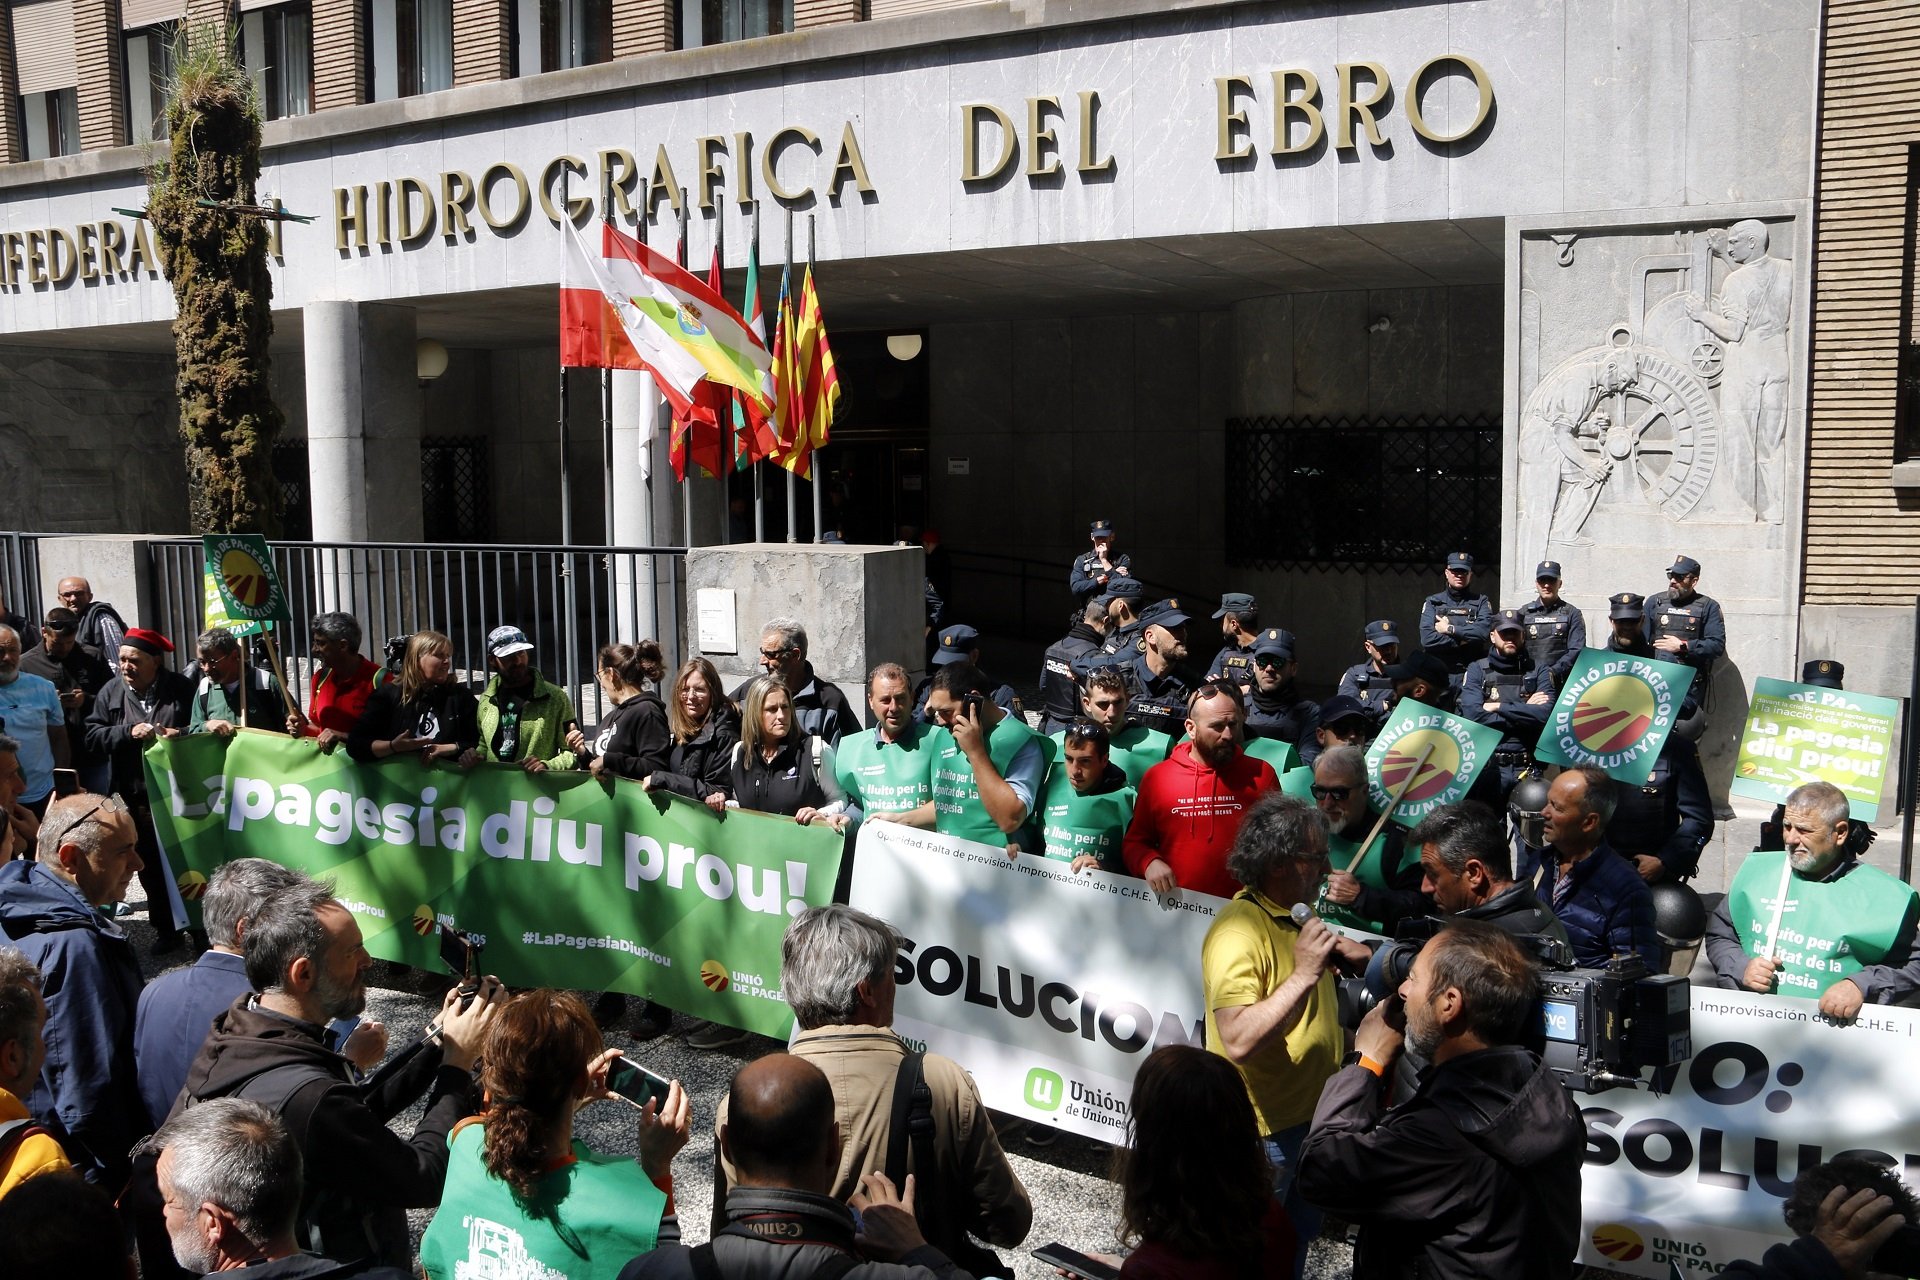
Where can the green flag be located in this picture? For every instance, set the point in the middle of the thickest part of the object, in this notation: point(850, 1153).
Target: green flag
point(1804, 733)
point(1614, 713)
point(571, 881)
point(1428, 758)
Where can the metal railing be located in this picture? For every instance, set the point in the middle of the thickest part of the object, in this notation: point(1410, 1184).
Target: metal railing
point(20, 574)
point(569, 600)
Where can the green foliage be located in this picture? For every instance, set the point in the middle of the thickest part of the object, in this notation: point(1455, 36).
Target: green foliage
point(216, 260)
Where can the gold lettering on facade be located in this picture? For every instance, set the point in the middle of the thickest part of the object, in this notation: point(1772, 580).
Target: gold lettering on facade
point(36, 268)
point(1363, 108)
point(848, 163)
point(1089, 146)
point(743, 165)
point(63, 257)
point(619, 175)
point(971, 117)
point(1481, 83)
point(456, 204)
point(521, 196)
point(662, 182)
point(10, 259)
point(383, 215)
point(1231, 142)
point(1043, 145)
point(89, 266)
point(561, 169)
point(143, 255)
point(1286, 108)
point(411, 232)
point(112, 241)
point(769, 158)
point(343, 218)
point(708, 150)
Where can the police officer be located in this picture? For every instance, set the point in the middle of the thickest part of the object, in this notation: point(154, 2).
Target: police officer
point(961, 643)
point(1627, 612)
point(1344, 722)
point(1366, 682)
point(1059, 687)
point(1661, 825)
point(1159, 687)
point(1507, 690)
point(1556, 631)
point(1275, 709)
point(1685, 626)
point(1454, 622)
point(1239, 619)
point(1123, 616)
point(1424, 678)
point(1096, 569)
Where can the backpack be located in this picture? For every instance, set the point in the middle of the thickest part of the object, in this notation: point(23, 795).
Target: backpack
point(912, 1125)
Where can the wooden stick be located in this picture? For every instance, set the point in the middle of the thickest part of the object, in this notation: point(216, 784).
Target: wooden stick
point(1779, 907)
point(1392, 804)
point(273, 659)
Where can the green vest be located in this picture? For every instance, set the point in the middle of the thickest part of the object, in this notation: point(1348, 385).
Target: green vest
point(1298, 783)
point(1829, 931)
point(607, 1211)
point(1277, 752)
point(1134, 750)
point(886, 779)
point(1074, 824)
point(956, 797)
point(1371, 872)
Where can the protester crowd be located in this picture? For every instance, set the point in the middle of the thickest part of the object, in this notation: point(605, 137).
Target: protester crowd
point(242, 1113)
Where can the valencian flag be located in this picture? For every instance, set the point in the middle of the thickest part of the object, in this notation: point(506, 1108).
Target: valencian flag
point(809, 384)
point(627, 307)
point(697, 431)
point(1615, 713)
point(753, 437)
point(1427, 757)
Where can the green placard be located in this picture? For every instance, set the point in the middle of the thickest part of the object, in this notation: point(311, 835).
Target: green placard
point(1441, 752)
point(241, 568)
point(1614, 713)
point(1803, 733)
point(216, 611)
point(573, 882)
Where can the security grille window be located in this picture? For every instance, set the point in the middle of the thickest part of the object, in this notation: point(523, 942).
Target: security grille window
point(454, 489)
point(1319, 492)
point(412, 47)
point(276, 47)
point(149, 69)
point(705, 22)
point(553, 35)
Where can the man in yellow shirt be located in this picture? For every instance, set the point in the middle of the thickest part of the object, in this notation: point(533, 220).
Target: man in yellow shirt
point(1272, 1009)
point(25, 1149)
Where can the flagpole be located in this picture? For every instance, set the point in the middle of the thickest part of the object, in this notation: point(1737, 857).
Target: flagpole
point(725, 408)
point(566, 471)
point(759, 479)
point(686, 485)
point(606, 398)
point(793, 491)
point(813, 454)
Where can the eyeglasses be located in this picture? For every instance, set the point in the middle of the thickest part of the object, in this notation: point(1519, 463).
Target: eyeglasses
point(1330, 793)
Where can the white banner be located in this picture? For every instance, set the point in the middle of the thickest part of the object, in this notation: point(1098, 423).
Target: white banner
point(1694, 1179)
point(1049, 987)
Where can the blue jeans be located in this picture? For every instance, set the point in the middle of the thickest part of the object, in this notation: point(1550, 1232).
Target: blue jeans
point(1283, 1150)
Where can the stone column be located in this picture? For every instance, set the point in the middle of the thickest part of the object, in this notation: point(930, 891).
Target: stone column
point(826, 13)
point(482, 40)
point(98, 55)
point(339, 53)
point(363, 429)
point(642, 26)
point(636, 583)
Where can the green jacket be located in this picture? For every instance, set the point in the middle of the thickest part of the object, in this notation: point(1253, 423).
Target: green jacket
point(544, 717)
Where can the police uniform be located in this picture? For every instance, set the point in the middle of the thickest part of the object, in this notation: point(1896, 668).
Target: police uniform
point(1468, 615)
point(1366, 686)
point(1494, 692)
point(1059, 685)
point(1670, 815)
point(1627, 607)
point(1158, 702)
point(956, 643)
point(1283, 714)
point(1123, 641)
point(1234, 661)
point(1555, 633)
point(1086, 574)
point(1698, 622)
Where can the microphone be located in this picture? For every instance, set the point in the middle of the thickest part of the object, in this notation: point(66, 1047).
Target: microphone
point(1301, 913)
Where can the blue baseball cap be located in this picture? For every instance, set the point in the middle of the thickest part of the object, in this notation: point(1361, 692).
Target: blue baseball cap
point(956, 643)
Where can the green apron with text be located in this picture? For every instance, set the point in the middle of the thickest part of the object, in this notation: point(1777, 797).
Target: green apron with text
point(887, 779)
point(1371, 872)
point(1074, 824)
point(956, 797)
point(1133, 750)
point(1829, 931)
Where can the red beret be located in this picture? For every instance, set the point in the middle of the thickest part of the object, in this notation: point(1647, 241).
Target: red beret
point(147, 641)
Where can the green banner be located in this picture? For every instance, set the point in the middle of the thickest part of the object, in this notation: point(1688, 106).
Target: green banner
point(241, 567)
point(572, 882)
point(1803, 733)
point(1614, 713)
point(1427, 757)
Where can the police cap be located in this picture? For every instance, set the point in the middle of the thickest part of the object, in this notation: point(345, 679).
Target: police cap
point(1626, 605)
point(956, 643)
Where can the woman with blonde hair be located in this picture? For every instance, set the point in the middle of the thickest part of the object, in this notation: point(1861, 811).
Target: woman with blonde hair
point(518, 1168)
point(704, 727)
point(779, 767)
point(426, 711)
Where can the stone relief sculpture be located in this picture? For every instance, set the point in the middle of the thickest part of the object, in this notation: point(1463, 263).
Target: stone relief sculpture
point(1682, 411)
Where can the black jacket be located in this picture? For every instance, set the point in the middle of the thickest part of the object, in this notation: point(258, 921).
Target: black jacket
point(361, 1176)
point(116, 711)
point(703, 764)
point(1801, 1259)
point(820, 1229)
point(84, 669)
point(785, 784)
point(1286, 717)
point(634, 738)
point(818, 707)
point(443, 712)
point(1517, 910)
point(1476, 1175)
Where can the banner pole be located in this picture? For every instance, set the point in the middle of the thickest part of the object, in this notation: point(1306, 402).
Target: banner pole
point(1392, 803)
point(1911, 773)
point(686, 481)
point(813, 454)
point(606, 398)
point(1779, 907)
point(793, 492)
point(725, 426)
point(273, 659)
point(566, 444)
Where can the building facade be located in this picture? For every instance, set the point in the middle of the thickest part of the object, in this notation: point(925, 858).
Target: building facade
point(1300, 298)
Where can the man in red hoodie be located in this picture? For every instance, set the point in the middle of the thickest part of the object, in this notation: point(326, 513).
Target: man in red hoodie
point(1190, 804)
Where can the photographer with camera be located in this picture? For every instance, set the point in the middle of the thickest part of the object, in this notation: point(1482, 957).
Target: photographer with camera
point(1478, 1173)
point(1866, 917)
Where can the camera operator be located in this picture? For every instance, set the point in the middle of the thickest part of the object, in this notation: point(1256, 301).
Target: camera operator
point(1842, 1213)
point(1478, 1173)
point(1467, 869)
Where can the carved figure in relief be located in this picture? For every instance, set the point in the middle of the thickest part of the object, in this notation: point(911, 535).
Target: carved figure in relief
point(1751, 315)
point(1562, 478)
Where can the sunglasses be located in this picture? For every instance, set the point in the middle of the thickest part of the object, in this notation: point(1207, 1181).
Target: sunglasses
point(1270, 660)
point(1217, 686)
point(772, 655)
point(1330, 793)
